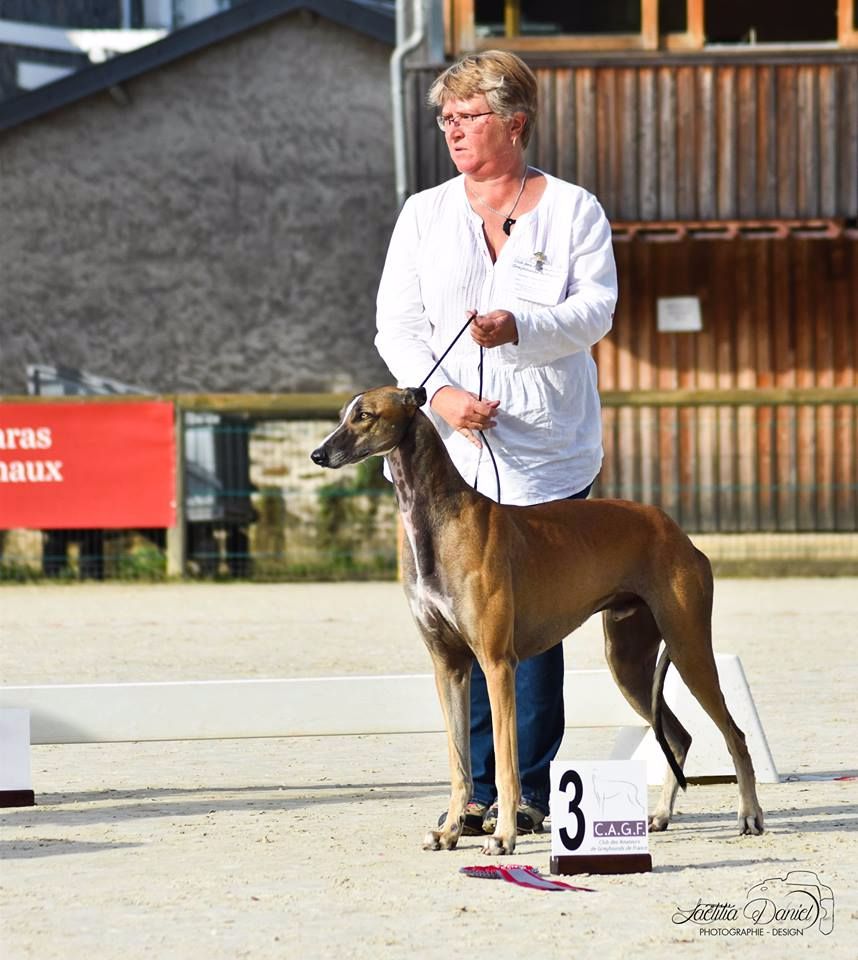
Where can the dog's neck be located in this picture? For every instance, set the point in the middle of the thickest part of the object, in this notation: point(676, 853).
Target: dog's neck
point(429, 489)
point(421, 466)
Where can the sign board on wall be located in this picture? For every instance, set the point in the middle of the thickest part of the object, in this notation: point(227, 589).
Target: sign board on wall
point(87, 465)
point(679, 315)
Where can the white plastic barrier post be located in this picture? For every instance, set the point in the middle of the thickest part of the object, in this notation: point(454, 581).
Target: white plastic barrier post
point(708, 757)
point(16, 786)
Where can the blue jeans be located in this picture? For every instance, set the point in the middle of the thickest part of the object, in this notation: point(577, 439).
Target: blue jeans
point(540, 723)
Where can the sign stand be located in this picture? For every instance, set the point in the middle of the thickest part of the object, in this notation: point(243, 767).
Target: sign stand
point(616, 863)
point(599, 817)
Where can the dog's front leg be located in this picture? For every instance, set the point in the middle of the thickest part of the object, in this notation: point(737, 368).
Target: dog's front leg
point(453, 680)
point(500, 679)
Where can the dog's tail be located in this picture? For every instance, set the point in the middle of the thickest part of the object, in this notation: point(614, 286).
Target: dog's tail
point(657, 710)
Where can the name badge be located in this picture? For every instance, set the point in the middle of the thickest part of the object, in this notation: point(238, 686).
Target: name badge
point(537, 280)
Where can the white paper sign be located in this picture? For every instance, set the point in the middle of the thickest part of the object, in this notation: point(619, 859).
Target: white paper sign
point(679, 315)
point(598, 807)
point(539, 281)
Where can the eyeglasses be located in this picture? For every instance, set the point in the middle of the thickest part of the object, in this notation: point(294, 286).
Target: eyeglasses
point(445, 122)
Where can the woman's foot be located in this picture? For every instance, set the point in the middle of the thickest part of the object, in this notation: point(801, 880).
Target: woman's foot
point(528, 819)
point(474, 815)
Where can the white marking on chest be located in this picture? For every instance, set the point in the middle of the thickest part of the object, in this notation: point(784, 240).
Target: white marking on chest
point(429, 605)
point(426, 602)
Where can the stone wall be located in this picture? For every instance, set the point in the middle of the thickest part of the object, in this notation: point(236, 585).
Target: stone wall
point(218, 224)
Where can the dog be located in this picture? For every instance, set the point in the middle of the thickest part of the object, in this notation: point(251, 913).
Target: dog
point(500, 583)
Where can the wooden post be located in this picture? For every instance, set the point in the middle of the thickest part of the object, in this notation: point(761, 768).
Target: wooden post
point(696, 23)
point(512, 18)
point(463, 26)
point(649, 24)
point(176, 535)
point(847, 29)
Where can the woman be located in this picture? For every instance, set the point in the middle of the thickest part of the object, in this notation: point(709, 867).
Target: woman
point(529, 257)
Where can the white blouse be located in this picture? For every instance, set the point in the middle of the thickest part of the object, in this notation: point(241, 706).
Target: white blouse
point(548, 438)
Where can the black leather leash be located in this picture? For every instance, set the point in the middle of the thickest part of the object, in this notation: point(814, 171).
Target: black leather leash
point(480, 397)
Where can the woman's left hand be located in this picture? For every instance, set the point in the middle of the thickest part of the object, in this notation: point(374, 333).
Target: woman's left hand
point(494, 329)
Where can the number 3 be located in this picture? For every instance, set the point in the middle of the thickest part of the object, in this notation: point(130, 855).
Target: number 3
point(572, 843)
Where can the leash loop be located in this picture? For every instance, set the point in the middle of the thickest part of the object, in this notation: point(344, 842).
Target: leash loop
point(483, 436)
point(438, 362)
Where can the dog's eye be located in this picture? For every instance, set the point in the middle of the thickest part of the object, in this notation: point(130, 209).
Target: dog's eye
point(364, 415)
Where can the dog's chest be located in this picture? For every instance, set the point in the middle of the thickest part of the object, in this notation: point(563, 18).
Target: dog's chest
point(430, 605)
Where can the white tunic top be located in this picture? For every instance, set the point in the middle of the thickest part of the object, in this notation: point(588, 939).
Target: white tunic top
point(548, 438)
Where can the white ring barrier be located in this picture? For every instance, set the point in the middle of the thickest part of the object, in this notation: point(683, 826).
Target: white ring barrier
point(339, 706)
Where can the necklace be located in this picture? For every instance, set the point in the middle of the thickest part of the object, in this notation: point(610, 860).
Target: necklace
point(508, 221)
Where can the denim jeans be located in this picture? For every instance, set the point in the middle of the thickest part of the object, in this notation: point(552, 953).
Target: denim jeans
point(540, 723)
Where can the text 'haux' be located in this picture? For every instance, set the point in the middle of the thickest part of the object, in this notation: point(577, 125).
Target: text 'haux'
point(13, 439)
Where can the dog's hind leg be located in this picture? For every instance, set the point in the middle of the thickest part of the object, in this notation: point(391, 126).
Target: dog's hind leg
point(699, 672)
point(684, 615)
point(632, 638)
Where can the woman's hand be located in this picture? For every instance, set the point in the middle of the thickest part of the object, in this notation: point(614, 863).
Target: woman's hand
point(464, 411)
point(494, 329)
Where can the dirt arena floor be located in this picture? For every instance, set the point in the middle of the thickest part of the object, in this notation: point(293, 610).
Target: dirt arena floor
point(310, 848)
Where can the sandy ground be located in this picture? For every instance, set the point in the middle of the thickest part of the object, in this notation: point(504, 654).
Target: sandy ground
point(311, 847)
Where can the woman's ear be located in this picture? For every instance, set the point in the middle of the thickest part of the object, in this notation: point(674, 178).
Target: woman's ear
point(517, 126)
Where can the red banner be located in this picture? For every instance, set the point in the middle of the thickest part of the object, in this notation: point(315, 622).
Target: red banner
point(87, 465)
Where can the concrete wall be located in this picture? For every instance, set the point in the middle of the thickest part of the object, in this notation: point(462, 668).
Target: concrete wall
point(222, 231)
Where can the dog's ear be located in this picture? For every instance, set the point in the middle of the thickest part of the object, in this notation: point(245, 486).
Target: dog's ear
point(414, 396)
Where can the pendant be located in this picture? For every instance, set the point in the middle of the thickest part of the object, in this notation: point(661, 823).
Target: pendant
point(507, 225)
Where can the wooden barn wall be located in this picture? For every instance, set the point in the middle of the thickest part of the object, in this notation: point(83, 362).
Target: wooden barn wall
point(688, 141)
point(776, 313)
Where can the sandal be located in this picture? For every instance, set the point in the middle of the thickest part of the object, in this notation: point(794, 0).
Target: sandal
point(473, 823)
point(528, 819)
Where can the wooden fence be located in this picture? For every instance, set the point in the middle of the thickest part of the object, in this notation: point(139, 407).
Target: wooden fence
point(704, 136)
point(729, 461)
point(750, 422)
point(718, 460)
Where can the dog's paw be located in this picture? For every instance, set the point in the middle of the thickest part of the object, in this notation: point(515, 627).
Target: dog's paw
point(658, 822)
point(439, 840)
point(751, 825)
point(499, 846)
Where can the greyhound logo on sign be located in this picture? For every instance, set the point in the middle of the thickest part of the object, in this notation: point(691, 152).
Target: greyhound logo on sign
point(617, 793)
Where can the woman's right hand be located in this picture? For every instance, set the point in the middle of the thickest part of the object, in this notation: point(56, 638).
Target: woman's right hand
point(464, 411)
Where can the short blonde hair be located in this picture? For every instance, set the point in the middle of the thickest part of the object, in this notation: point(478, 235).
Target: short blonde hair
point(505, 80)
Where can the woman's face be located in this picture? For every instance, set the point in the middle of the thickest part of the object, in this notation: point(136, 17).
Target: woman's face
point(482, 146)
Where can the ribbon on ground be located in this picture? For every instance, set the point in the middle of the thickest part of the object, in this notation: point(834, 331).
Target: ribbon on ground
point(523, 876)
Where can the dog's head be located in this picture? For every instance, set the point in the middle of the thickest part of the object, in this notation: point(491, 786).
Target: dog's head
point(371, 424)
